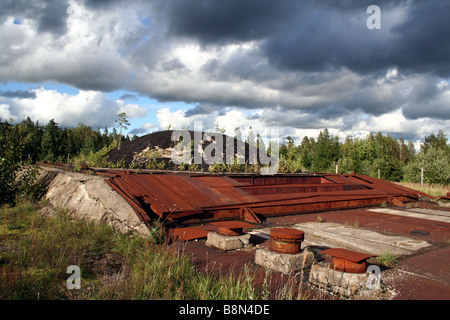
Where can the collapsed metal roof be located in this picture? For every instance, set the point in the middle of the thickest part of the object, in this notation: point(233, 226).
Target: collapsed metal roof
point(184, 199)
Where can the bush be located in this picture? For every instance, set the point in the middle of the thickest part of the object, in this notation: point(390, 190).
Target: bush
point(16, 179)
point(435, 163)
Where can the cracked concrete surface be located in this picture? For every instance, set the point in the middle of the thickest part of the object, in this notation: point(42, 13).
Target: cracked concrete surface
point(334, 235)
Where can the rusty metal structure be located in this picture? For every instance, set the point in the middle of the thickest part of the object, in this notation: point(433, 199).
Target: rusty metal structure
point(192, 200)
point(189, 199)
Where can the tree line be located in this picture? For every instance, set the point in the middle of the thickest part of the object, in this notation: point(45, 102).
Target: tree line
point(374, 155)
point(51, 143)
point(26, 143)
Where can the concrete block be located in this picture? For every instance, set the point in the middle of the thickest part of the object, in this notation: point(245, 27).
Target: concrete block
point(337, 282)
point(227, 243)
point(283, 262)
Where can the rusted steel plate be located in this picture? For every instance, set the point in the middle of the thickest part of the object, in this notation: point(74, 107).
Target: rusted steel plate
point(347, 261)
point(343, 265)
point(230, 232)
point(347, 254)
point(188, 233)
point(232, 224)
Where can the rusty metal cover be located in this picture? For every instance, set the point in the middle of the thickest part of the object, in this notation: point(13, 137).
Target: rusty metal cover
point(286, 240)
point(188, 233)
point(287, 234)
point(347, 254)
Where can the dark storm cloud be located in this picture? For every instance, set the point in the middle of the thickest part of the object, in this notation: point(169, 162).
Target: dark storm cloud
point(323, 35)
point(328, 39)
point(51, 15)
point(18, 94)
point(99, 4)
point(436, 109)
point(423, 43)
point(213, 22)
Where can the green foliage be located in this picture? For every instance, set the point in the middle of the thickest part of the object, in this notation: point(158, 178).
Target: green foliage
point(326, 152)
point(29, 142)
point(16, 179)
point(395, 159)
point(217, 168)
point(436, 165)
point(386, 259)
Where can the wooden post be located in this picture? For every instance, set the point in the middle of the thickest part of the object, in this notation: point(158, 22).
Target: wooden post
point(379, 174)
point(421, 178)
point(337, 169)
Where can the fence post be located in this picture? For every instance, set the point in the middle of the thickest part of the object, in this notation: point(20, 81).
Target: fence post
point(421, 178)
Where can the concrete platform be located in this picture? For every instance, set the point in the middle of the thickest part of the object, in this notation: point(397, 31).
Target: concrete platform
point(334, 235)
point(423, 270)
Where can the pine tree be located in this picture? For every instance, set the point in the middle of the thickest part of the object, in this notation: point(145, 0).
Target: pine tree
point(51, 142)
point(123, 123)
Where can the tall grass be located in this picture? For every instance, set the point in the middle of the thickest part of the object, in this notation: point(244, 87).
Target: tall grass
point(35, 251)
point(434, 190)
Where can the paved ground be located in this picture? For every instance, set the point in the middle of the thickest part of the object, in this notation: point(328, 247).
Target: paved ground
point(419, 236)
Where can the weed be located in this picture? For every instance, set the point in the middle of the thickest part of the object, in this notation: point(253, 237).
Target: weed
point(386, 259)
point(320, 219)
point(430, 189)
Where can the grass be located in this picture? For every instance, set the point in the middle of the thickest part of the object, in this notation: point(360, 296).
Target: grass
point(435, 190)
point(386, 259)
point(35, 251)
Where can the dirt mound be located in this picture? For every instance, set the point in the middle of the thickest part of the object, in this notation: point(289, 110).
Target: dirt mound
point(154, 151)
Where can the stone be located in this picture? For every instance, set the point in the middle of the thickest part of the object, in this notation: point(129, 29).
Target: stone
point(227, 243)
point(91, 198)
point(283, 262)
point(337, 282)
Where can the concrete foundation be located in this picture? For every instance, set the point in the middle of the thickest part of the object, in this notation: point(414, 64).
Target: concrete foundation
point(340, 283)
point(282, 262)
point(227, 243)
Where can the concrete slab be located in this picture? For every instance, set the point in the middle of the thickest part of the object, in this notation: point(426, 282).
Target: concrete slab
point(426, 214)
point(333, 235)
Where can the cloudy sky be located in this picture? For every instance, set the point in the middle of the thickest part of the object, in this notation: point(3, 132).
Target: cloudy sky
point(299, 66)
